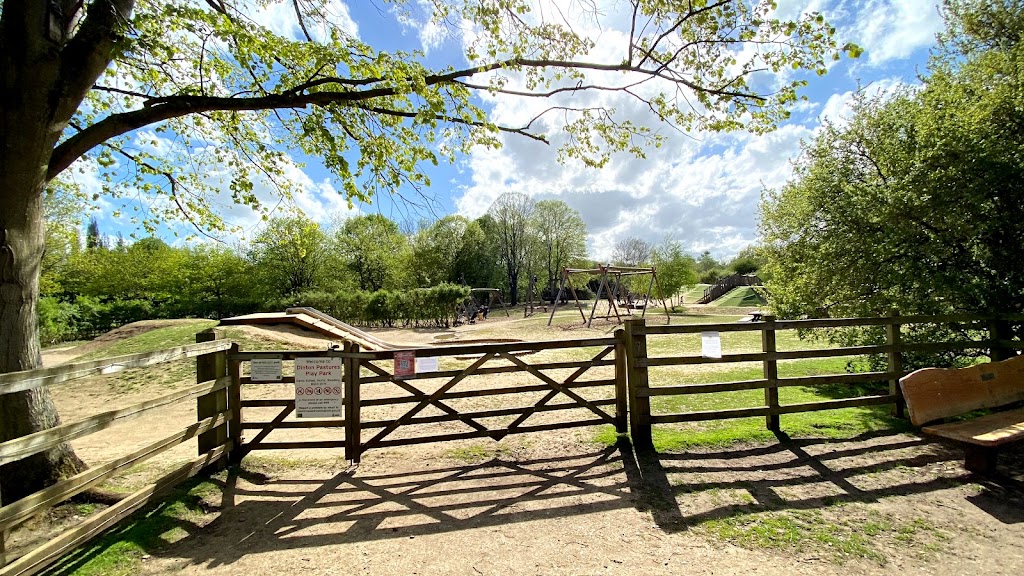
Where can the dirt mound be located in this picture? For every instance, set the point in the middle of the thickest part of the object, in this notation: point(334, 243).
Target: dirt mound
point(61, 355)
point(284, 334)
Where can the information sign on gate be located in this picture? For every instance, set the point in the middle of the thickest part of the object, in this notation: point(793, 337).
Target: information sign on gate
point(318, 388)
point(405, 363)
point(265, 369)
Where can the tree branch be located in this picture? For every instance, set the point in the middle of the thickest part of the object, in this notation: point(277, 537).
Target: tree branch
point(88, 53)
point(454, 120)
point(164, 108)
point(302, 22)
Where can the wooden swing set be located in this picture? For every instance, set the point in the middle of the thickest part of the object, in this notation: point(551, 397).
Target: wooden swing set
point(612, 289)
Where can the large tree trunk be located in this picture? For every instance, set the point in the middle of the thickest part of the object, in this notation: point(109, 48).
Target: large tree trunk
point(22, 233)
point(41, 86)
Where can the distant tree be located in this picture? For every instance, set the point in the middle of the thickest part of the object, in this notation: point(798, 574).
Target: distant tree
point(290, 253)
point(376, 251)
point(632, 251)
point(747, 261)
point(561, 237)
point(478, 264)
point(93, 238)
point(219, 282)
point(511, 213)
point(436, 250)
point(706, 262)
point(675, 268)
point(63, 232)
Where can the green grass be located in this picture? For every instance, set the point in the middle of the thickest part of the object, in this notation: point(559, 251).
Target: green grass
point(695, 293)
point(740, 296)
point(153, 340)
point(842, 532)
point(120, 551)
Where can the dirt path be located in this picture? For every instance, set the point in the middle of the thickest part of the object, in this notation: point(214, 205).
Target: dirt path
point(556, 506)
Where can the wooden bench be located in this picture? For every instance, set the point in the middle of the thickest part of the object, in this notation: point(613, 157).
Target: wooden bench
point(933, 394)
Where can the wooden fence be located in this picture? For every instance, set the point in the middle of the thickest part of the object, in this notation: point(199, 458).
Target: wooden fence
point(998, 346)
point(608, 382)
point(212, 428)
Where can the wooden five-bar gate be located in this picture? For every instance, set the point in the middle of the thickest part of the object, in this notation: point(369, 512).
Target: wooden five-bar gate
point(379, 406)
point(480, 391)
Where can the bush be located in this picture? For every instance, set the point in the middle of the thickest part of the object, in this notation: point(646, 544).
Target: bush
point(387, 308)
point(58, 321)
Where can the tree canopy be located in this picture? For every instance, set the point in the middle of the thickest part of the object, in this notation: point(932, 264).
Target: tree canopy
point(915, 204)
point(561, 238)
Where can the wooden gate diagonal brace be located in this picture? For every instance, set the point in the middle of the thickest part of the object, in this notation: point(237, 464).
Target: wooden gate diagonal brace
point(248, 446)
point(418, 394)
point(427, 401)
point(550, 395)
point(558, 386)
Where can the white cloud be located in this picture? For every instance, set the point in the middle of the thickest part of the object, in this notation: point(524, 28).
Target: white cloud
point(279, 17)
point(892, 30)
point(703, 189)
point(838, 109)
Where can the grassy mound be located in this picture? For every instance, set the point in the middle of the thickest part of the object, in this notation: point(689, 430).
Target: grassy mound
point(740, 296)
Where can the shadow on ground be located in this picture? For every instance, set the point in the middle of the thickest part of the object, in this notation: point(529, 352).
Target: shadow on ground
point(308, 510)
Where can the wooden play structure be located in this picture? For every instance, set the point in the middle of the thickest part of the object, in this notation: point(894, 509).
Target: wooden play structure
point(612, 289)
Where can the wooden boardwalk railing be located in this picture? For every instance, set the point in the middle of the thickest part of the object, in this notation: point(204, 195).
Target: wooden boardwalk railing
point(210, 392)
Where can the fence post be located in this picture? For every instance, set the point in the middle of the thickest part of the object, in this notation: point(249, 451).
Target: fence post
point(621, 382)
point(637, 382)
point(771, 373)
point(892, 339)
point(210, 367)
point(353, 428)
point(235, 403)
point(999, 330)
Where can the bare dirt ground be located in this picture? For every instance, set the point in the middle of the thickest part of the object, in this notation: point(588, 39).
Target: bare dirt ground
point(558, 503)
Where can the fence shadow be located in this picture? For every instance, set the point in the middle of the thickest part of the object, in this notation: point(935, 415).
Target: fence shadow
point(260, 513)
point(810, 474)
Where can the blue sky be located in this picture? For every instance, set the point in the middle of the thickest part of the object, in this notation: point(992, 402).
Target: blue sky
point(701, 189)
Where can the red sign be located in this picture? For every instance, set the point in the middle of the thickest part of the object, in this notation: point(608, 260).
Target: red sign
point(405, 363)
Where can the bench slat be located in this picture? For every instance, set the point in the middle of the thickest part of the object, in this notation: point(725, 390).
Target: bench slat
point(991, 430)
point(935, 393)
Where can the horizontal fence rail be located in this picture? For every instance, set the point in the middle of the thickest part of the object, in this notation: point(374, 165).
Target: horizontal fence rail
point(211, 430)
point(997, 345)
point(29, 379)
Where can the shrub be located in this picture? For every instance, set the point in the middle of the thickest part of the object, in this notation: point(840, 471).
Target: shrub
point(388, 308)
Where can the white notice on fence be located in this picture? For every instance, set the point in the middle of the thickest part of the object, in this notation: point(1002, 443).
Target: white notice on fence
point(318, 387)
point(265, 369)
point(426, 364)
point(710, 345)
